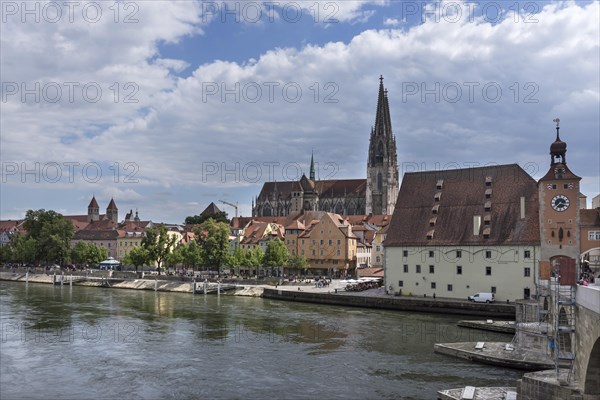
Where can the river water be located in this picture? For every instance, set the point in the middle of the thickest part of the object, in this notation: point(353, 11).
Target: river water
point(93, 343)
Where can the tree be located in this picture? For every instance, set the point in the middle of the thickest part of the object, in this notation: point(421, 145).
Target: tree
point(236, 259)
point(52, 233)
point(175, 257)
point(297, 262)
point(158, 244)
point(192, 254)
point(253, 259)
point(138, 256)
point(23, 249)
point(199, 219)
point(78, 253)
point(95, 254)
point(213, 238)
point(276, 255)
point(6, 254)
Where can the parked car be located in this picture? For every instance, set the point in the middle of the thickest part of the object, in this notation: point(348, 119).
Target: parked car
point(482, 298)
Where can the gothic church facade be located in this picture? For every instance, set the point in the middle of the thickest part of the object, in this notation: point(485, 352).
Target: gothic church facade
point(374, 195)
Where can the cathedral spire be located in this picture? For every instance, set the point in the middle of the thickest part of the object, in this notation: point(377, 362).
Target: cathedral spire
point(382, 164)
point(312, 166)
point(383, 124)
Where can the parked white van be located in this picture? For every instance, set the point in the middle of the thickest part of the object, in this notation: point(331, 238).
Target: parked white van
point(482, 297)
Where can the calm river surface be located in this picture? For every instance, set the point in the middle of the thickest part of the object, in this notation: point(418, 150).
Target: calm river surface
point(94, 343)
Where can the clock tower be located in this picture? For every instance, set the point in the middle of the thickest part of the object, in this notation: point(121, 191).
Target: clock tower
point(559, 214)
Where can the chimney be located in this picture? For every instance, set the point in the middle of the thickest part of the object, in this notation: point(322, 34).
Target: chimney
point(522, 207)
point(476, 224)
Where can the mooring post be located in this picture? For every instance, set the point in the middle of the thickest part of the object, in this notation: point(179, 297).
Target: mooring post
point(156, 285)
point(61, 278)
point(27, 277)
point(194, 286)
point(71, 280)
point(218, 288)
point(205, 285)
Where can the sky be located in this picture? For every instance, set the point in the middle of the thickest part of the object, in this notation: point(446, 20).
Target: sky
point(167, 106)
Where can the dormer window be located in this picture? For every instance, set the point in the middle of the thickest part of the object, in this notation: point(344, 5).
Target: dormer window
point(435, 209)
point(486, 233)
point(487, 219)
point(430, 234)
point(488, 181)
point(437, 196)
point(432, 221)
point(488, 206)
point(439, 184)
point(488, 193)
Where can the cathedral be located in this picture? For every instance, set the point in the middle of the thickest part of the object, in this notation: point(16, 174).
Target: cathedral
point(374, 195)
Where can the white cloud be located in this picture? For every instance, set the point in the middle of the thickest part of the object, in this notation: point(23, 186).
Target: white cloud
point(189, 135)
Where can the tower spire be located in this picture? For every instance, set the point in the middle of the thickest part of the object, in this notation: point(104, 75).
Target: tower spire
point(312, 166)
point(382, 164)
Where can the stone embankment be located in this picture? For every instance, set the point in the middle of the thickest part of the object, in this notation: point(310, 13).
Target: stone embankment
point(490, 325)
point(373, 298)
point(497, 353)
point(383, 301)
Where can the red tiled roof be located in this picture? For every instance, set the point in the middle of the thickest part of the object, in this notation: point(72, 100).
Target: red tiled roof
point(112, 205)
point(93, 203)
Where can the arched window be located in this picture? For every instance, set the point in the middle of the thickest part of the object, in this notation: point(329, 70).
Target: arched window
point(379, 182)
point(266, 210)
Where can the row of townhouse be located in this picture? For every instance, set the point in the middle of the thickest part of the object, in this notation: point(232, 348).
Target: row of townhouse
point(333, 245)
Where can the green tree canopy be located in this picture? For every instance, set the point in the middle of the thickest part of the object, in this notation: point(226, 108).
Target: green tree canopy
point(138, 256)
point(213, 238)
point(297, 262)
point(192, 254)
point(52, 234)
point(23, 249)
point(276, 254)
point(200, 219)
point(158, 244)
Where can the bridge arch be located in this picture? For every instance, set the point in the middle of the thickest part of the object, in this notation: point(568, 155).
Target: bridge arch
point(592, 373)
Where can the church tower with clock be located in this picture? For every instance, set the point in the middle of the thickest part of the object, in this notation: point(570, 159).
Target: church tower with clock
point(559, 214)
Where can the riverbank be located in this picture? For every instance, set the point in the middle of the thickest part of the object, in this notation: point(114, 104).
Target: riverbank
point(333, 295)
point(376, 298)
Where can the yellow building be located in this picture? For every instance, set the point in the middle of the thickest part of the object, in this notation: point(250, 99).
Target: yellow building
point(327, 242)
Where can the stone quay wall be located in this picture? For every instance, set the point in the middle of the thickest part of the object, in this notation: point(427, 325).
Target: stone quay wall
point(429, 305)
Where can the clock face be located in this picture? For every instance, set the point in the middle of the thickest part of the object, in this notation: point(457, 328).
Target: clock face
point(560, 202)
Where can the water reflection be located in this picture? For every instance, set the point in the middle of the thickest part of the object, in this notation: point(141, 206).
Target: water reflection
point(110, 343)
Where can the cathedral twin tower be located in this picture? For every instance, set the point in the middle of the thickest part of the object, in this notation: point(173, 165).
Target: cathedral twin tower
point(374, 195)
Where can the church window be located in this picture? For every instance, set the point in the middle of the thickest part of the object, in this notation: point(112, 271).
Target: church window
point(267, 210)
point(379, 182)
